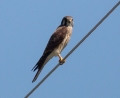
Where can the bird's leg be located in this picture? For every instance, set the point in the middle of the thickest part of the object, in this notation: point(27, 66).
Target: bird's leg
point(61, 60)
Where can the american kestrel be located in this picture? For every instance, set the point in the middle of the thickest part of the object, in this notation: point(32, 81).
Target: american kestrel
point(56, 44)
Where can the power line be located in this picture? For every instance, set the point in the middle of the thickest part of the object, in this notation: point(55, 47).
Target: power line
point(73, 49)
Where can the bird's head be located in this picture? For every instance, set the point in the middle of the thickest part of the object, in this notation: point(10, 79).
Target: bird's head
point(67, 21)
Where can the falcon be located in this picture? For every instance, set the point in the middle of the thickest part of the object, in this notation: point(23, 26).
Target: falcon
point(56, 44)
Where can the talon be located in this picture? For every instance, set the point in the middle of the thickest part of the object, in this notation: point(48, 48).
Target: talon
point(61, 61)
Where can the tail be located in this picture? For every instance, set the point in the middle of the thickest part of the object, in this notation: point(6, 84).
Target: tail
point(36, 76)
point(40, 64)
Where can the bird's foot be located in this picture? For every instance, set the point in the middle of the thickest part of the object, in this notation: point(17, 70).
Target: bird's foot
point(61, 61)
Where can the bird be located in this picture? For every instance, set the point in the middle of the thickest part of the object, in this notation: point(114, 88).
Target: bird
point(57, 42)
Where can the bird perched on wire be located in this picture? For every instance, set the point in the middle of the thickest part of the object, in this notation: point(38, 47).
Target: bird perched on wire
point(56, 44)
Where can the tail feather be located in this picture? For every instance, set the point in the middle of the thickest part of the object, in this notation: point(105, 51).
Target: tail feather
point(40, 64)
point(36, 76)
point(34, 68)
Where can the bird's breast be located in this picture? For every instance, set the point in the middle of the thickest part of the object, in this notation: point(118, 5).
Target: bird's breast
point(64, 42)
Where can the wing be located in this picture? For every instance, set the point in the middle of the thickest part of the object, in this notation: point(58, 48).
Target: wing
point(55, 40)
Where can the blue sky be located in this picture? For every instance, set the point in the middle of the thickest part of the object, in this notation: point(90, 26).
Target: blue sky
point(91, 71)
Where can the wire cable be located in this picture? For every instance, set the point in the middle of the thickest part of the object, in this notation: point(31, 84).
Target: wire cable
point(73, 49)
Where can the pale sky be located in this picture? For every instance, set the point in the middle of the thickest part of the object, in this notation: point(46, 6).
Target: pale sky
point(91, 71)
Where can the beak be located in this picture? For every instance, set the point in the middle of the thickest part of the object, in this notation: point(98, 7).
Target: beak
point(70, 20)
